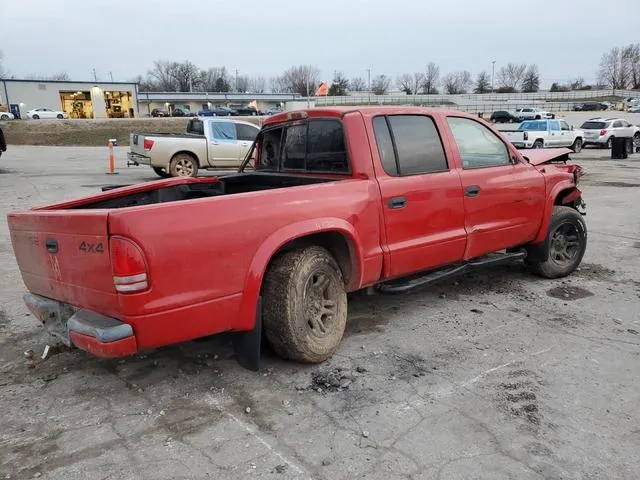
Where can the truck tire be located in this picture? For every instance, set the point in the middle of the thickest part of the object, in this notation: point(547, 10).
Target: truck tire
point(609, 142)
point(36, 117)
point(161, 172)
point(538, 144)
point(304, 305)
point(577, 145)
point(566, 243)
point(183, 165)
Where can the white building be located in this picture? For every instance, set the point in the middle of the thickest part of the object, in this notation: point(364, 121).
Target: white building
point(78, 99)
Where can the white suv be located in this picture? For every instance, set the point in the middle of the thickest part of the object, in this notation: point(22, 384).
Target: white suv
point(533, 114)
point(600, 131)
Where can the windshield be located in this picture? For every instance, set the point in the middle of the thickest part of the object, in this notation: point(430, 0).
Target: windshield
point(536, 126)
point(594, 125)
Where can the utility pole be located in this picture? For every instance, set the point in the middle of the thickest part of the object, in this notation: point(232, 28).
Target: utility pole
point(308, 101)
point(369, 83)
point(493, 73)
point(111, 76)
point(95, 75)
point(236, 79)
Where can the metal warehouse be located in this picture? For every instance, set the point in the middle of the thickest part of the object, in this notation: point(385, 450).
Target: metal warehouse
point(78, 99)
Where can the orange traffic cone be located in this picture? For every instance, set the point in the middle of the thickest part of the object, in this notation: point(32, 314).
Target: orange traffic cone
point(112, 160)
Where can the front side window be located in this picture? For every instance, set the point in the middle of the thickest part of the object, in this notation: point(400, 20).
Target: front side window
point(565, 126)
point(479, 147)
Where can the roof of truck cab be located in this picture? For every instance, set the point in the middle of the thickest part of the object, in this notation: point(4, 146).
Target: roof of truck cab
point(366, 111)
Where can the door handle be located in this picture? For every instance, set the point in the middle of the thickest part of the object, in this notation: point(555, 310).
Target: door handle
point(397, 202)
point(472, 191)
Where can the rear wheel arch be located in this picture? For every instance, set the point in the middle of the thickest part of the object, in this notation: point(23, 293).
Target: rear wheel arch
point(338, 237)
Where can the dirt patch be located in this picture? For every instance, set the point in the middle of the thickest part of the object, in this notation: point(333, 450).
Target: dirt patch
point(566, 292)
point(92, 132)
point(363, 324)
point(331, 380)
point(593, 271)
point(519, 396)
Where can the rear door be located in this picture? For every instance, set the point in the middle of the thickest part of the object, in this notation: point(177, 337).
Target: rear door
point(223, 149)
point(503, 198)
point(64, 255)
point(554, 135)
point(421, 195)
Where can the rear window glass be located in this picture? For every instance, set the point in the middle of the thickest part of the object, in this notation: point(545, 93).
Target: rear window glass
point(594, 125)
point(314, 146)
point(538, 126)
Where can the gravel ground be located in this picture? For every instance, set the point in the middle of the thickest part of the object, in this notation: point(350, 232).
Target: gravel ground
point(497, 375)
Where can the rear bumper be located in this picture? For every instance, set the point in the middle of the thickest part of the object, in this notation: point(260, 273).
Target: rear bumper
point(90, 331)
point(137, 159)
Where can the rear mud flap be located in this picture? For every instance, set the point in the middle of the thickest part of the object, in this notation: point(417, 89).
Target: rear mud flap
point(247, 345)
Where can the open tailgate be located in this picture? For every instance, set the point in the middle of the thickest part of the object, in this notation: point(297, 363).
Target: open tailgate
point(64, 255)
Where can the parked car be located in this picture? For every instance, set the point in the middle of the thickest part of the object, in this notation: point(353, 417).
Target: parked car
point(159, 112)
point(589, 107)
point(634, 109)
point(208, 143)
point(179, 112)
point(601, 131)
point(546, 134)
point(247, 111)
point(7, 116)
point(502, 116)
point(533, 114)
point(3, 142)
point(336, 200)
point(272, 111)
point(45, 113)
point(218, 112)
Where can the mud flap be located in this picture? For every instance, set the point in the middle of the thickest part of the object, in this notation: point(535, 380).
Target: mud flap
point(246, 345)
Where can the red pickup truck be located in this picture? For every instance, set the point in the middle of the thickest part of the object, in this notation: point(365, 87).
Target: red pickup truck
point(328, 201)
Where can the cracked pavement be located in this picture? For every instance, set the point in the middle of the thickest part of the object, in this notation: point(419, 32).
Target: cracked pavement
point(497, 375)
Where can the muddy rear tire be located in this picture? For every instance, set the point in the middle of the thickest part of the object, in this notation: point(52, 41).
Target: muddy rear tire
point(577, 145)
point(566, 243)
point(304, 305)
point(183, 165)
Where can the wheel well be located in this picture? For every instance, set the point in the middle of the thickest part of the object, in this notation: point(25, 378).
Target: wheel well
point(562, 194)
point(336, 243)
point(185, 152)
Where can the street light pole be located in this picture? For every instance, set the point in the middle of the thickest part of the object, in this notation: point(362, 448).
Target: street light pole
point(369, 83)
point(493, 72)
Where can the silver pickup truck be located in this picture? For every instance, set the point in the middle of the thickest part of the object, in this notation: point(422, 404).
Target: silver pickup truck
point(208, 143)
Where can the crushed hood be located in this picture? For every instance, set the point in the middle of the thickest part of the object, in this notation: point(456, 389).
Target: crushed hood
point(538, 156)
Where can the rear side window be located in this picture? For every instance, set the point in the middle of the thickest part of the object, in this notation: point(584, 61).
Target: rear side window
point(224, 131)
point(411, 142)
point(314, 146)
point(554, 126)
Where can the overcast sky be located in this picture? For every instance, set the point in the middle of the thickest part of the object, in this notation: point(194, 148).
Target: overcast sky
point(263, 37)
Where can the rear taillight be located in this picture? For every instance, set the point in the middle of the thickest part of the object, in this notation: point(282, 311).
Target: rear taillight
point(148, 144)
point(603, 132)
point(128, 265)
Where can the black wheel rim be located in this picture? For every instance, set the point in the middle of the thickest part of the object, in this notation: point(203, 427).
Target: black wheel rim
point(565, 244)
point(321, 304)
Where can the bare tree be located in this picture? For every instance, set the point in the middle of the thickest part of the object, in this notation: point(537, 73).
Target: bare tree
point(61, 75)
point(302, 79)
point(277, 85)
point(145, 84)
point(358, 84)
point(431, 79)
point(610, 72)
point(576, 84)
point(162, 74)
point(3, 71)
point(405, 83)
point(531, 79)
point(209, 79)
point(457, 82)
point(483, 83)
point(257, 84)
point(242, 83)
point(511, 75)
point(186, 76)
point(380, 85)
point(634, 65)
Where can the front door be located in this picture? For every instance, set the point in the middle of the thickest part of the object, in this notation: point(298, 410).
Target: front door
point(223, 144)
point(421, 196)
point(503, 198)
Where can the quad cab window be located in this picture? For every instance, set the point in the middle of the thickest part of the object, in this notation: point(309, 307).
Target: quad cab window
point(317, 145)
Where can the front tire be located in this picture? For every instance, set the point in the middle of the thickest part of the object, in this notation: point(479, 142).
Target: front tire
point(304, 305)
point(161, 172)
point(565, 244)
point(4, 117)
point(577, 145)
point(59, 116)
point(183, 165)
point(36, 117)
